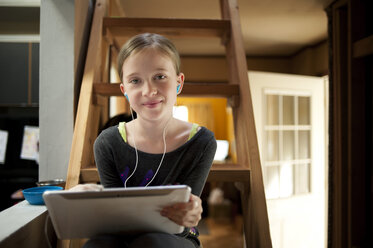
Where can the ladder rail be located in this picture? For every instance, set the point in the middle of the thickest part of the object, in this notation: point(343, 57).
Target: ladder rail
point(82, 143)
point(93, 106)
point(245, 134)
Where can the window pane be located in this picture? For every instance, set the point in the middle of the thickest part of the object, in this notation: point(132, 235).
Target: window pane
point(302, 178)
point(288, 110)
point(304, 144)
point(272, 146)
point(180, 112)
point(288, 146)
point(272, 110)
point(286, 180)
point(304, 110)
point(272, 182)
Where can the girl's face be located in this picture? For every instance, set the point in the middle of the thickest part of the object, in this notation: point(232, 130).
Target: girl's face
point(150, 81)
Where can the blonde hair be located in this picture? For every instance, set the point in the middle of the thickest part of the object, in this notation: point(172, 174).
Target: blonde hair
point(148, 40)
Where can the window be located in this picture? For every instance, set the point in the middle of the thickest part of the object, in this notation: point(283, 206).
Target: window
point(287, 144)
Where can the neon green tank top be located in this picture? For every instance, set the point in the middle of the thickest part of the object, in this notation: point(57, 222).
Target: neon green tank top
point(122, 130)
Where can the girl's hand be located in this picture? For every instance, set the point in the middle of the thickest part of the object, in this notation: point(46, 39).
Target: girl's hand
point(185, 214)
point(87, 187)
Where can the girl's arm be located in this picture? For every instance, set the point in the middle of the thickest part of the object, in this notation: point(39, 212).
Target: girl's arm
point(190, 213)
point(105, 164)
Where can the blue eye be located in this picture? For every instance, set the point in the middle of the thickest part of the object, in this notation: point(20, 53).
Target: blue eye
point(159, 77)
point(134, 81)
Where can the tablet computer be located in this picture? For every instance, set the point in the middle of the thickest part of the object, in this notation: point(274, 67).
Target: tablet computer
point(85, 214)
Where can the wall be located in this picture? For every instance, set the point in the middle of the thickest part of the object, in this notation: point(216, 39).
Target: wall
point(214, 68)
point(310, 61)
point(217, 113)
point(56, 116)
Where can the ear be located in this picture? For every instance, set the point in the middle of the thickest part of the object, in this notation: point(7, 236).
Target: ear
point(122, 88)
point(180, 82)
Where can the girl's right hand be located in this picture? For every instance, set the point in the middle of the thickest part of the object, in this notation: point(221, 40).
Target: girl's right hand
point(87, 187)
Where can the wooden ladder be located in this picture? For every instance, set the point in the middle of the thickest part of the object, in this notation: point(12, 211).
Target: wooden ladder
point(95, 90)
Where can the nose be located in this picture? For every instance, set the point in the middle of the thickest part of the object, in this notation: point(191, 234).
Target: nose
point(149, 89)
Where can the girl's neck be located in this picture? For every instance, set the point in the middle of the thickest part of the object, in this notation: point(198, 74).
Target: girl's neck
point(150, 130)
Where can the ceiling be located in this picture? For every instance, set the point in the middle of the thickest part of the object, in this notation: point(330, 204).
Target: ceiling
point(269, 27)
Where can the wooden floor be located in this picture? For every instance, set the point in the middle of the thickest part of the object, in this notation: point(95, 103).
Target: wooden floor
point(222, 233)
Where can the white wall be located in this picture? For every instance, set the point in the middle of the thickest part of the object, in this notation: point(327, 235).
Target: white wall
point(56, 114)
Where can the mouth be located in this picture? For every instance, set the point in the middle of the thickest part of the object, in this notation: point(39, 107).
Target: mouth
point(152, 104)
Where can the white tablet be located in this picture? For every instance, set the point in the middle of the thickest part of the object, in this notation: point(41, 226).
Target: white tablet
point(113, 210)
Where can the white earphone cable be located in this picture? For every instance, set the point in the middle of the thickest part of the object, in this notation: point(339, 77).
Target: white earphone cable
point(137, 156)
point(164, 152)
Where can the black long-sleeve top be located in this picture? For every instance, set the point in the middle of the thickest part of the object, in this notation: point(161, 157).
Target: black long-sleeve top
point(189, 164)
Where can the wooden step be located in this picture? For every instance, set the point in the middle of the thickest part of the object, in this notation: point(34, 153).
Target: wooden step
point(218, 172)
point(189, 89)
point(229, 173)
point(128, 26)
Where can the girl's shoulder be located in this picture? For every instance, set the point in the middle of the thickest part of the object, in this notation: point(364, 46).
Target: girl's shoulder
point(108, 134)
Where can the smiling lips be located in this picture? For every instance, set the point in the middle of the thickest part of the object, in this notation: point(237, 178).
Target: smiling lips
point(152, 104)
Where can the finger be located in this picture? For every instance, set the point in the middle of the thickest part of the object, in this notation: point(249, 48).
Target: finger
point(181, 206)
point(187, 221)
point(184, 218)
point(87, 187)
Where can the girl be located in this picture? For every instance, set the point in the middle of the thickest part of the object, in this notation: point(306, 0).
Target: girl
point(154, 148)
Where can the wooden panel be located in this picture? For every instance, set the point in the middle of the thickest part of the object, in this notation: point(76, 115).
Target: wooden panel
point(89, 175)
point(189, 89)
point(363, 47)
point(127, 27)
point(13, 83)
point(359, 127)
point(339, 195)
point(218, 172)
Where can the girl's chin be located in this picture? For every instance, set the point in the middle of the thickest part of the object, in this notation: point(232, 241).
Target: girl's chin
point(153, 116)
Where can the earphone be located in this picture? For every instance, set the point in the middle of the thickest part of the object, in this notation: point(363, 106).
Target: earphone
point(125, 94)
point(137, 156)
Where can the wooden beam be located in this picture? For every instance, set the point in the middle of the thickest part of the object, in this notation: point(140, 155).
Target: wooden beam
point(363, 47)
point(80, 148)
point(89, 175)
point(256, 226)
point(229, 173)
point(127, 27)
point(112, 41)
point(218, 172)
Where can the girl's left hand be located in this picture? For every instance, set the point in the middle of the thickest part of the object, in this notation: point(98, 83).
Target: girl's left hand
point(185, 214)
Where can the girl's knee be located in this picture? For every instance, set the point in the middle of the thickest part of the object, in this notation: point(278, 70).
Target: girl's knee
point(156, 240)
point(102, 241)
